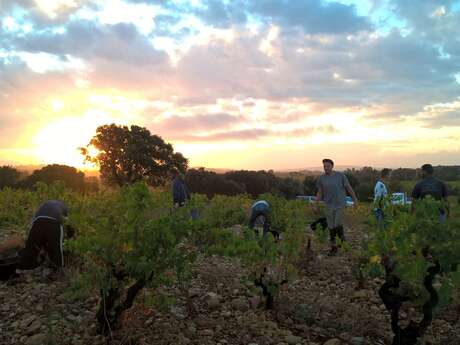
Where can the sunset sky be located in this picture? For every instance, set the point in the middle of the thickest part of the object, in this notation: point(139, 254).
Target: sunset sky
point(261, 84)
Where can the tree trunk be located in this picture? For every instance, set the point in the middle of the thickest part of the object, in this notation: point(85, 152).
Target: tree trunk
point(393, 302)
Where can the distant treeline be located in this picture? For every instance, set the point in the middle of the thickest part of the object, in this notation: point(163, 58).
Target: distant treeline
point(255, 183)
point(70, 176)
point(249, 182)
point(236, 182)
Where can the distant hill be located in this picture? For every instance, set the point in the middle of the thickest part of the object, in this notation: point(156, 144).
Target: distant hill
point(29, 168)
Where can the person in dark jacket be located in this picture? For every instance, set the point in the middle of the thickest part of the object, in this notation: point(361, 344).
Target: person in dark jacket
point(47, 234)
point(181, 193)
point(431, 186)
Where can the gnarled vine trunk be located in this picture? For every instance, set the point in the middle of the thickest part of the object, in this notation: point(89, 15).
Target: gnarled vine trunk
point(111, 308)
point(393, 302)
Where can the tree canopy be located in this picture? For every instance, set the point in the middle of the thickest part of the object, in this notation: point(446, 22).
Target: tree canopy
point(70, 176)
point(9, 176)
point(130, 154)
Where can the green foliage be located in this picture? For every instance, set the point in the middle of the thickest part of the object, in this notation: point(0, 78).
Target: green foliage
point(119, 230)
point(309, 185)
point(415, 240)
point(9, 176)
point(224, 211)
point(18, 206)
point(274, 261)
point(129, 240)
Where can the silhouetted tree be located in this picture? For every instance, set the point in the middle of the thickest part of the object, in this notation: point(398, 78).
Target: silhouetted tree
point(404, 174)
point(365, 191)
point(255, 182)
point(9, 176)
point(447, 173)
point(210, 183)
point(70, 176)
point(129, 154)
point(364, 175)
point(289, 187)
point(309, 185)
point(354, 182)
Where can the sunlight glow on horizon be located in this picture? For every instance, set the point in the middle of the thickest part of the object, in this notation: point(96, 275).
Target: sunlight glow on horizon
point(59, 140)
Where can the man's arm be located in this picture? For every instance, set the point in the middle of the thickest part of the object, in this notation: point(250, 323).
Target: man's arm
point(348, 188)
point(319, 196)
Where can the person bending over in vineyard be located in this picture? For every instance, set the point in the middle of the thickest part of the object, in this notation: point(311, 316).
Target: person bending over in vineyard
point(332, 189)
point(47, 234)
point(181, 194)
point(380, 195)
point(260, 210)
point(437, 189)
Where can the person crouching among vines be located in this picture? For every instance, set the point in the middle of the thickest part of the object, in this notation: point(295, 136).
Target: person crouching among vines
point(46, 234)
point(332, 189)
point(260, 213)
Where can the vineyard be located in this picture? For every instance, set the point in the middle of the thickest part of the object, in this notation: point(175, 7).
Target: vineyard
point(139, 272)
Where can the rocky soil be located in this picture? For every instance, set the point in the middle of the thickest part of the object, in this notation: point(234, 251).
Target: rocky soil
point(322, 306)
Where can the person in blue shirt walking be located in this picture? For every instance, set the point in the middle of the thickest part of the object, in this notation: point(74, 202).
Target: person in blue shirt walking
point(380, 196)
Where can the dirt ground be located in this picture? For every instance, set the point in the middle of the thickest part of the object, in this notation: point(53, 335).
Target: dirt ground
point(322, 306)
